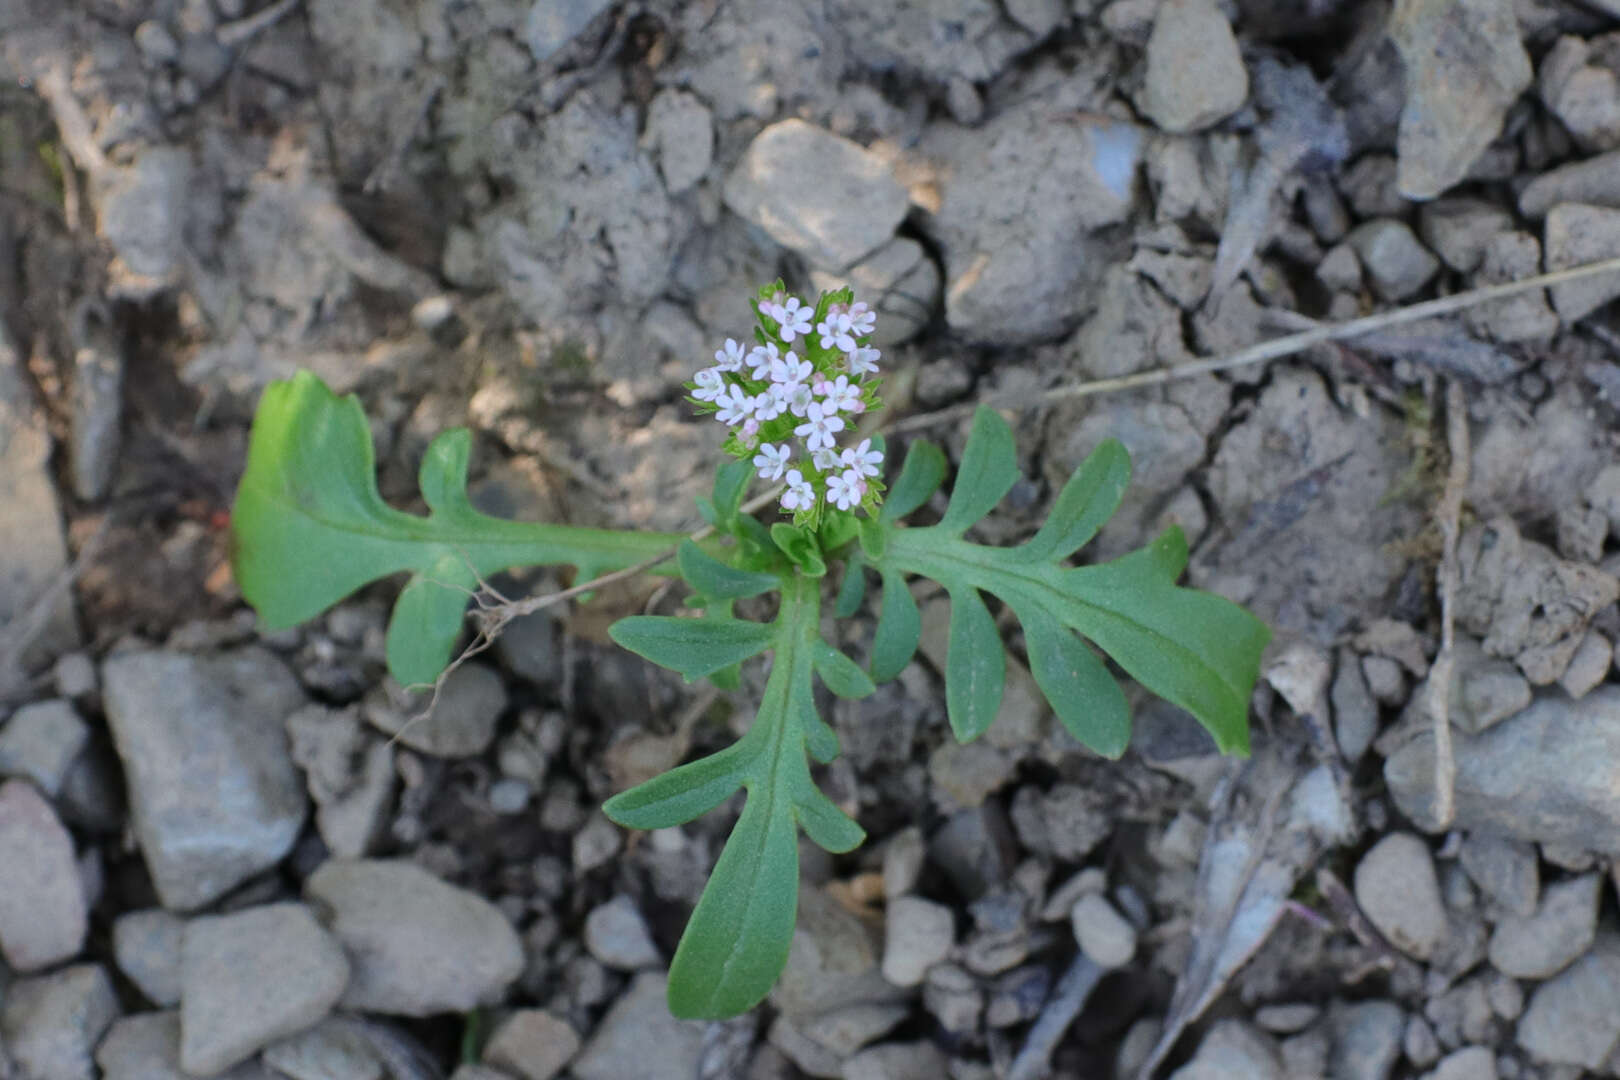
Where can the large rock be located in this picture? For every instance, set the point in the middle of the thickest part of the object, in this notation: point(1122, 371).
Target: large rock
point(1541, 945)
point(1195, 74)
point(417, 945)
point(43, 918)
point(250, 978)
point(1023, 196)
point(638, 1022)
point(816, 193)
point(1551, 774)
point(1464, 66)
point(213, 793)
point(1574, 1018)
point(50, 1024)
point(30, 522)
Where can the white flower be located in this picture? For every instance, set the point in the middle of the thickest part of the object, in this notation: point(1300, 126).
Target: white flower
point(799, 494)
point(819, 427)
point(768, 406)
point(842, 395)
point(845, 489)
point(762, 358)
point(795, 397)
point(709, 384)
point(790, 369)
point(862, 459)
point(794, 320)
point(729, 358)
point(834, 331)
point(863, 361)
point(862, 319)
point(735, 405)
point(772, 460)
point(825, 460)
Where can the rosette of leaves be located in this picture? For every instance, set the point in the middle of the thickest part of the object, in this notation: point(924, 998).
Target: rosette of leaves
point(310, 527)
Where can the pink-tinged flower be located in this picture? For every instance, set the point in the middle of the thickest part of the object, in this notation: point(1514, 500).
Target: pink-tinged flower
point(863, 361)
point(709, 384)
point(749, 430)
point(819, 427)
point(736, 405)
point(772, 461)
point(794, 320)
point(845, 489)
point(842, 395)
point(862, 459)
point(768, 406)
point(799, 494)
point(762, 358)
point(862, 319)
point(729, 358)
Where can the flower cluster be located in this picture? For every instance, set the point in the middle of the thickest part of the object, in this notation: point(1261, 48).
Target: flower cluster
point(792, 397)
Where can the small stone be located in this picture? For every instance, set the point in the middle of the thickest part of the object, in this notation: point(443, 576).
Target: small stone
point(1066, 822)
point(430, 313)
point(214, 796)
point(350, 774)
point(816, 193)
point(145, 1046)
point(1594, 181)
point(1195, 74)
point(1419, 1044)
point(553, 24)
point(250, 978)
point(1385, 680)
point(681, 128)
point(1581, 532)
point(897, 1061)
point(1574, 1017)
point(975, 849)
point(1510, 256)
point(964, 775)
point(75, 676)
point(1582, 92)
point(1465, 65)
point(50, 1024)
point(462, 722)
point(146, 945)
point(1562, 928)
point(43, 915)
point(508, 796)
point(1017, 996)
point(1340, 269)
point(639, 1020)
point(1506, 997)
point(1366, 1040)
point(334, 1049)
point(1287, 1019)
point(846, 1029)
point(418, 946)
point(1232, 1049)
point(1506, 871)
point(1577, 234)
point(535, 1045)
point(1459, 229)
point(596, 843)
point(1469, 1063)
point(1355, 713)
point(903, 856)
point(953, 996)
point(918, 934)
point(617, 935)
point(1588, 667)
point(40, 742)
point(1397, 264)
point(1396, 887)
point(157, 45)
point(1103, 933)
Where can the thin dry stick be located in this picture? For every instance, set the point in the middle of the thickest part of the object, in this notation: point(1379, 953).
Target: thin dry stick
point(1267, 350)
point(1448, 513)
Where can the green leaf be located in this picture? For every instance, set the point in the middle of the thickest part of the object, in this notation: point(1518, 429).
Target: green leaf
point(853, 589)
point(1084, 505)
point(919, 478)
point(899, 629)
point(737, 941)
point(1088, 701)
point(842, 675)
point(730, 485)
point(309, 527)
point(827, 826)
point(988, 471)
point(682, 794)
point(874, 537)
point(426, 622)
point(714, 579)
point(693, 647)
point(975, 668)
point(800, 548)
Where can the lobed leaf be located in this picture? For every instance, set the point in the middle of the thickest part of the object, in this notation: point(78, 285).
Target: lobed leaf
point(988, 471)
point(976, 667)
point(1085, 504)
point(720, 581)
point(1086, 698)
point(693, 647)
point(919, 478)
point(841, 675)
point(899, 628)
point(308, 528)
point(684, 793)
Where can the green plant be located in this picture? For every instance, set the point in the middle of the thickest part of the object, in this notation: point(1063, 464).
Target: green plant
point(310, 528)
